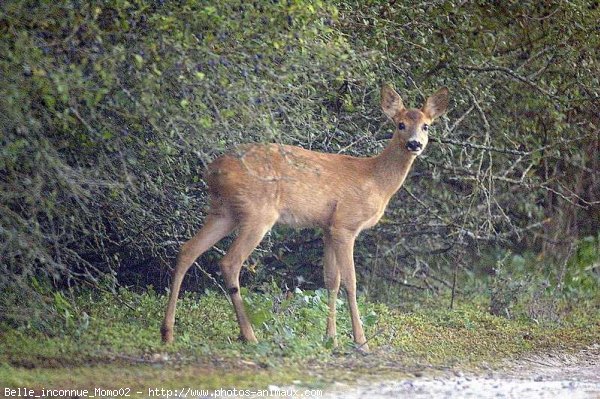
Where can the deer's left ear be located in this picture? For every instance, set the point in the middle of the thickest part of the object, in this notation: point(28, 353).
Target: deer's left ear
point(437, 104)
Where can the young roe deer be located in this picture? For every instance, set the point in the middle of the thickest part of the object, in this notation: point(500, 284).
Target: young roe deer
point(261, 185)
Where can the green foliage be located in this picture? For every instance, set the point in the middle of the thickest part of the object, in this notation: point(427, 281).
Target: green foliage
point(123, 103)
point(508, 286)
point(110, 110)
point(582, 277)
point(122, 331)
point(532, 287)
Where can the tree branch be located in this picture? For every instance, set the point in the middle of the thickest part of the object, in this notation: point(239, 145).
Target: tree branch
point(512, 74)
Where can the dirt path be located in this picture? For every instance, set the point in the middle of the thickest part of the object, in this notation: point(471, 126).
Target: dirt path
point(551, 375)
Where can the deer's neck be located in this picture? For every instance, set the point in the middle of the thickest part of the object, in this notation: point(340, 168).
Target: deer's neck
point(392, 166)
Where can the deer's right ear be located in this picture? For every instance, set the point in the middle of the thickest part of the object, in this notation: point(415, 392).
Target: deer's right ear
point(391, 103)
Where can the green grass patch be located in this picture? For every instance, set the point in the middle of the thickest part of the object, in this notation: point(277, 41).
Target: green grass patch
point(103, 333)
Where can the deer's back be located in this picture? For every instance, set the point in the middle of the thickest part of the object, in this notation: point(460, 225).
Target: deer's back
point(305, 187)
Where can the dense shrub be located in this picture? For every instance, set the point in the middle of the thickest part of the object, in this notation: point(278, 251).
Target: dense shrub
point(110, 110)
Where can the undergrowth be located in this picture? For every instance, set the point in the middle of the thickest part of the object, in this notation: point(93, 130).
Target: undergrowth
point(104, 330)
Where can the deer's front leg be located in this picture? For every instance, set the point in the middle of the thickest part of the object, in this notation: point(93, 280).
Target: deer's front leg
point(344, 257)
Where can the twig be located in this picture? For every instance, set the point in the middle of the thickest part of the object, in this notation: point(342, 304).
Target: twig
point(402, 283)
point(479, 146)
point(115, 295)
point(352, 144)
point(359, 347)
point(75, 112)
point(509, 72)
point(459, 120)
point(454, 273)
point(214, 280)
point(508, 150)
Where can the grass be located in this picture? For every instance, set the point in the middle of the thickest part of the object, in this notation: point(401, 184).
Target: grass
point(100, 334)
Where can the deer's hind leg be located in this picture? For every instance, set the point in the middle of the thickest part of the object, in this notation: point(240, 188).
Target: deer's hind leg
point(331, 274)
point(251, 233)
point(216, 226)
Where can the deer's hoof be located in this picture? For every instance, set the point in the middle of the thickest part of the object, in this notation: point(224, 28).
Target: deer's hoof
point(364, 348)
point(166, 334)
point(248, 339)
point(330, 342)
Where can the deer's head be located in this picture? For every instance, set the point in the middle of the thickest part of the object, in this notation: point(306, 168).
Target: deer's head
point(412, 124)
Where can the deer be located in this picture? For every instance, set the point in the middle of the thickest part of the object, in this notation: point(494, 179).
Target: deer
point(259, 185)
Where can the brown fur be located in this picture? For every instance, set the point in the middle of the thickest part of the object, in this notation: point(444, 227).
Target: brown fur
point(263, 184)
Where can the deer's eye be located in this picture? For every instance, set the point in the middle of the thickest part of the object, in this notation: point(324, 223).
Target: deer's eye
point(425, 127)
point(401, 126)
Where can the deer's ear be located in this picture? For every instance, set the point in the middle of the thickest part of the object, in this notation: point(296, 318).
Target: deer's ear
point(437, 104)
point(391, 103)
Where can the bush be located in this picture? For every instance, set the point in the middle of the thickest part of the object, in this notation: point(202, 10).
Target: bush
point(111, 110)
point(540, 289)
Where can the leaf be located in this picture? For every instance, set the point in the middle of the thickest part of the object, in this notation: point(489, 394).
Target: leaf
point(139, 60)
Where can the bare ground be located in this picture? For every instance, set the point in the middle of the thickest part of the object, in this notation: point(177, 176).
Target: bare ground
point(549, 375)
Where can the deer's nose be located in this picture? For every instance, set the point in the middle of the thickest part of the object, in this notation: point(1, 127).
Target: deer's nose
point(414, 146)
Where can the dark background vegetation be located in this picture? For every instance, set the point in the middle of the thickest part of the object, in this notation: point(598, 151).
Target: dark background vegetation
point(110, 110)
